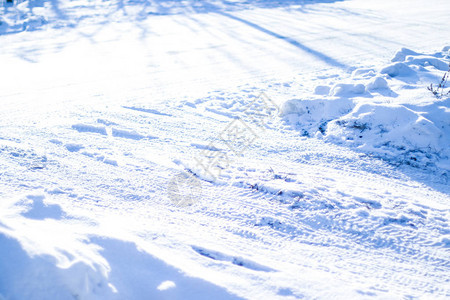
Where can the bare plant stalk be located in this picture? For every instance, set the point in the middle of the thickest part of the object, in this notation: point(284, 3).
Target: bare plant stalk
point(439, 91)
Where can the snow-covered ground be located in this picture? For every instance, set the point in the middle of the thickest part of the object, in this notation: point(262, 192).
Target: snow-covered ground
point(224, 149)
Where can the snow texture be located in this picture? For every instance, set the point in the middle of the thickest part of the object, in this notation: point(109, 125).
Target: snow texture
point(224, 149)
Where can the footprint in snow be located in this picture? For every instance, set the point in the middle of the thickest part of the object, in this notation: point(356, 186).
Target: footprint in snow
point(235, 260)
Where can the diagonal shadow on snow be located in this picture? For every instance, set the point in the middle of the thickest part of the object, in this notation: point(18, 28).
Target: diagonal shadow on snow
point(327, 59)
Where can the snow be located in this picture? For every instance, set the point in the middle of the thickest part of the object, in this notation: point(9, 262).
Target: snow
point(224, 149)
point(398, 130)
point(57, 260)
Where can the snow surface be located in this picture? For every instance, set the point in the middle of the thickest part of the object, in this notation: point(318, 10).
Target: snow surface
point(339, 188)
point(365, 116)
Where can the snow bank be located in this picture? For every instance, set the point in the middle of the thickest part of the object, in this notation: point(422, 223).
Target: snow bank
point(392, 131)
point(46, 254)
point(388, 113)
point(313, 115)
point(43, 258)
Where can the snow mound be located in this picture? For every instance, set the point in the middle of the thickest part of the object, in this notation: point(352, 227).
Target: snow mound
point(322, 90)
point(388, 113)
point(47, 254)
point(393, 131)
point(314, 114)
point(345, 89)
point(401, 55)
point(398, 69)
point(377, 83)
point(41, 260)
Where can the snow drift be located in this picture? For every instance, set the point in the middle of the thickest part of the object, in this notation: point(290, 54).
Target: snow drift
point(387, 113)
point(47, 254)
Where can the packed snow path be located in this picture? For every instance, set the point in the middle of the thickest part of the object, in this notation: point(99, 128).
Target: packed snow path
point(99, 117)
